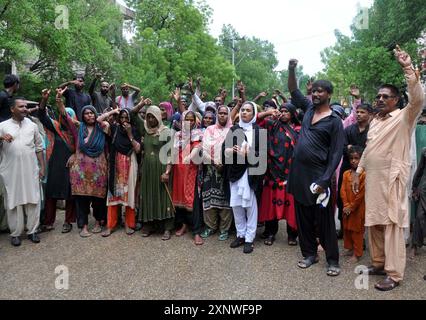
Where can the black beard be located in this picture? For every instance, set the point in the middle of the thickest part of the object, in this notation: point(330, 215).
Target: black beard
point(317, 104)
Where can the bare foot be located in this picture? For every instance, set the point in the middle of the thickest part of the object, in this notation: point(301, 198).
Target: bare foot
point(181, 231)
point(354, 259)
point(412, 254)
point(198, 241)
point(348, 253)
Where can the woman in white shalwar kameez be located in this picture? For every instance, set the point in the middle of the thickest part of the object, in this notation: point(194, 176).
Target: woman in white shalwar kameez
point(244, 184)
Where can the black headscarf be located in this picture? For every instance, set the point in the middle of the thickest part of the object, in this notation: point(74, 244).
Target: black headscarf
point(120, 143)
point(281, 142)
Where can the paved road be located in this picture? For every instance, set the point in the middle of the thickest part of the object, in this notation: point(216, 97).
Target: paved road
point(123, 267)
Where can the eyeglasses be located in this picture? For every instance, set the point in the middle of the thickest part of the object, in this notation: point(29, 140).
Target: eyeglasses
point(384, 96)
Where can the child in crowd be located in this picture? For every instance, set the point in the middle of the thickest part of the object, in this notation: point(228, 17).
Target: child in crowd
point(353, 208)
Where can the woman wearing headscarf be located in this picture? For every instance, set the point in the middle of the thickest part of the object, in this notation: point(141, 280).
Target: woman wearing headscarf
point(166, 113)
point(88, 172)
point(62, 139)
point(123, 169)
point(241, 145)
point(186, 147)
point(155, 199)
point(208, 120)
point(215, 190)
point(276, 203)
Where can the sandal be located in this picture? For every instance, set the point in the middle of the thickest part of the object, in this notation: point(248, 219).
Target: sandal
point(224, 235)
point(106, 233)
point(66, 228)
point(269, 241)
point(292, 242)
point(308, 262)
point(166, 235)
point(145, 233)
point(85, 234)
point(97, 229)
point(207, 233)
point(129, 231)
point(333, 271)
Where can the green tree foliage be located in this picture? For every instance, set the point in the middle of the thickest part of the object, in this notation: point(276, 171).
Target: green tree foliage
point(46, 54)
point(173, 43)
point(255, 61)
point(366, 58)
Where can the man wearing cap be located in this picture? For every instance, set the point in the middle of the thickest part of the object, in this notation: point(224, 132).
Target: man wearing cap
point(386, 161)
point(11, 85)
point(127, 100)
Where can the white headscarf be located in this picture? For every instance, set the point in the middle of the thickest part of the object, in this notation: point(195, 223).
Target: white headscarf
point(248, 126)
point(156, 112)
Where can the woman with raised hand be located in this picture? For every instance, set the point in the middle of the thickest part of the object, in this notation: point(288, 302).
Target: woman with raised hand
point(88, 172)
point(123, 169)
point(62, 139)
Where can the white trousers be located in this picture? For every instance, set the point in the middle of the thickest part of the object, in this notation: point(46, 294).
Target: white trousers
point(246, 221)
point(16, 219)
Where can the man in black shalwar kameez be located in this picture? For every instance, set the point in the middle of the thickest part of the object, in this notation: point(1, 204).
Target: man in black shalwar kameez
point(316, 157)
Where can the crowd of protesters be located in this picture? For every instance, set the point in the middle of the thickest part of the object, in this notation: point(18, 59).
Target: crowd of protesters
point(188, 165)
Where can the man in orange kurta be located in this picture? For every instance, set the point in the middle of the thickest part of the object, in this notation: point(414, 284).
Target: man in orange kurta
point(386, 161)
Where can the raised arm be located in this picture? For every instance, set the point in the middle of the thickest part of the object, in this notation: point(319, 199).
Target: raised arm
point(103, 117)
point(355, 93)
point(112, 93)
point(68, 83)
point(415, 90)
point(140, 105)
point(134, 88)
point(260, 96)
point(236, 110)
point(93, 84)
point(271, 112)
point(59, 102)
point(44, 98)
point(242, 91)
point(177, 96)
point(297, 98)
point(292, 81)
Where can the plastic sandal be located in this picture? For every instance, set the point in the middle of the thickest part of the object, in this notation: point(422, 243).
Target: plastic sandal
point(308, 262)
point(207, 233)
point(224, 235)
point(269, 241)
point(333, 271)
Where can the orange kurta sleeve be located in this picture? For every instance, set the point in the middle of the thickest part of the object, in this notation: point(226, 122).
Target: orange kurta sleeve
point(360, 196)
point(344, 189)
